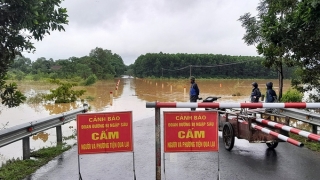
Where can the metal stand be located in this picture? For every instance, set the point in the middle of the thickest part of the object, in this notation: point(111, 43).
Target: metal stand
point(80, 178)
point(134, 170)
point(164, 165)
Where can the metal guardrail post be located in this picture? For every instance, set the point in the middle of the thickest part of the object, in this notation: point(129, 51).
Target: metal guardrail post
point(314, 129)
point(59, 135)
point(26, 147)
point(158, 143)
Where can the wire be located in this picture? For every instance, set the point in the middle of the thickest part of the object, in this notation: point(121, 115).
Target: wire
point(218, 65)
point(176, 69)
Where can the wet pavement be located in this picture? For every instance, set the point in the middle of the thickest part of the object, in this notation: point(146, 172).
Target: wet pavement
point(246, 161)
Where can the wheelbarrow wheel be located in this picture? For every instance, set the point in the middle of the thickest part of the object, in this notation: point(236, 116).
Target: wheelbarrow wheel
point(228, 136)
point(272, 145)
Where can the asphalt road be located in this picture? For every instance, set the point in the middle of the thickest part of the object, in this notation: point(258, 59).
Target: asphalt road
point(246, 161)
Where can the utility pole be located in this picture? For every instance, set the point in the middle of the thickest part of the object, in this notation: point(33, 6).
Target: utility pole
point(190, 70)
point(162, 72)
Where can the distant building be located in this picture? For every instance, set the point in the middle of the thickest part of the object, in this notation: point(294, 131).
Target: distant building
point(55, 68)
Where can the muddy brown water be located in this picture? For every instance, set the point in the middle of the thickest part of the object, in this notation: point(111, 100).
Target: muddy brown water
point(132, 95)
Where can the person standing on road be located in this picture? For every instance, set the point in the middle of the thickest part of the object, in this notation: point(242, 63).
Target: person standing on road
point(271, 95)
point(194, 91)
point(255, 94)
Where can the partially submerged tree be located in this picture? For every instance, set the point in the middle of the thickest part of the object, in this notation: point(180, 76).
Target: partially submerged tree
point(64, 93)
point(22, 21)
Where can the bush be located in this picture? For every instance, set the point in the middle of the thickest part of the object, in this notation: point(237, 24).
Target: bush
point(19, 75)
point(292, 95)
point(53, 75)
point(75, 79)
point(36, 77)
point(90, 80)
point(64, 93)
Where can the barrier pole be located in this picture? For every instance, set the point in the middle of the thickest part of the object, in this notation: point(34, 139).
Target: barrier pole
point(279, 136)
point(158, 143)
point(116, 91)
point(305, 134)
point(234, 105)
point(111, 98)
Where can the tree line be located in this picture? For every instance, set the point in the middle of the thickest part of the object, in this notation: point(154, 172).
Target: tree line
point(100, 62)
point(203, 66)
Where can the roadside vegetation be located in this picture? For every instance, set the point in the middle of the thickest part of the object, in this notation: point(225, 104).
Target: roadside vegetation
point(17, 169)
point(312, 145)
point(293, 95)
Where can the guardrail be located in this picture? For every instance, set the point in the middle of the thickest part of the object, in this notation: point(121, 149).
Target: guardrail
point(298, 114)
point(305, 116)
point(24, 131)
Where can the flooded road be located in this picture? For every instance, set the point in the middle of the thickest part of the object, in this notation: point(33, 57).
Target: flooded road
point(132, 95)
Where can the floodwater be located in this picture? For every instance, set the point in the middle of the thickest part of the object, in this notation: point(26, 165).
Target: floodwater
point(132, 95)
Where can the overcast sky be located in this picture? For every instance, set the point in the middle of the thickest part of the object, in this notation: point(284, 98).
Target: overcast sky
point(134, 27)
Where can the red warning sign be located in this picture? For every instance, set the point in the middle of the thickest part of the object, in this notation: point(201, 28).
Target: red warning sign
point(104, 132)
point(191, 131)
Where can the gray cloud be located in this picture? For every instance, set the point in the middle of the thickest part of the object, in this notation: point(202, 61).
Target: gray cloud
point(134, 27)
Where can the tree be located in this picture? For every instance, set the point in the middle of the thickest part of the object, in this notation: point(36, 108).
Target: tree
point(20, 23)
point(101, 64)
point(303, 34)
point(64, 93)
point(267, 32)
point(288, 31)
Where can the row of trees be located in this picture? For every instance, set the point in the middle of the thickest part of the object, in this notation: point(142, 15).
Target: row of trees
point(203, 65)
point(101, 62)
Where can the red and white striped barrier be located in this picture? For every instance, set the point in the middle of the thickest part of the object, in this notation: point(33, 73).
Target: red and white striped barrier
point(230, 105)
point(279, 136)
point(290, 129)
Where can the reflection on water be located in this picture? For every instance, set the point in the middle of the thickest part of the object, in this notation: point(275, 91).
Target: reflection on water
point(42, 136)
point(59, 108)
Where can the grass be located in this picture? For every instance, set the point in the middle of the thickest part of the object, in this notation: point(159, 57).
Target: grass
point(16, 169)
point(312, 145)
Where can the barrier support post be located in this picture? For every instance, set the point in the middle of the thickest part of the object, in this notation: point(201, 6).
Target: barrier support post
point(314, 129)
point(26, 148)
point(59, 135)
point(158, 143)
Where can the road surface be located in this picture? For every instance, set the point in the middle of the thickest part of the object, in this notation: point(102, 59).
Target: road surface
point(246, 161)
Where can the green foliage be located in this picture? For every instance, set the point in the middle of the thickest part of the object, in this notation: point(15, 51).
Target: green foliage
point(17, 169)
point(36, 77)
point(38, 98)
point(312, 145)
point(101, 62)
point(64, 93)
point(22, 22)
point(129, 72)
point(288, 31)
point(203, 65)
point(90, 80)
point(20, 75)
point(10, 96)
point(292, 95)
point(90, 98)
